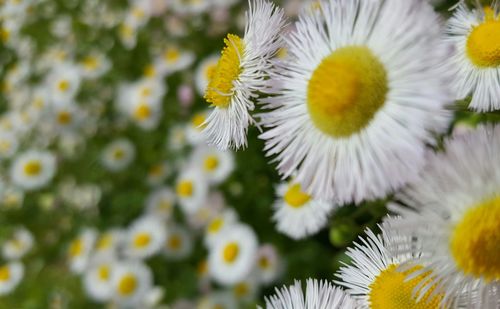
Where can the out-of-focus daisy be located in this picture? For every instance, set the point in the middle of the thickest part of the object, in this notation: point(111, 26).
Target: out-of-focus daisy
point(130, 282)
point(108, 242)
point(215, 164)
point(214, 203)
point(177, 139)
point(246, 290)
point(11, 275)
point(216, 300)
point(455, 213)
point(195, 127)
point(67, 116)
point(80, 249)
point(297, 214)
point(157, 173)
point(97, 278)
point(232, 257)
point(160, 203)
point(178, 244)
point(11, 197)
point(118, 155)
point(18, 245)
point(377, 278)
point(269, 264)
point(240, 75)
point(318, 295)
point(94, 65)
point(145, 237)
point(192, 189)
point(355, 103)
point(476, 63)
point(204, 73)
point(33, 169)
point(64, 82)
point(219, 225)
point(175, 59)
point(191, 7)
point(128, 34)
point(8, 144)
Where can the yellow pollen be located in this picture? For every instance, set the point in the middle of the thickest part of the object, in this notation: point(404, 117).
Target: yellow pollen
point(211, 163)
point(126, 31)
point(63, 85)
point(142, 112)
point(171, 55)
point(282, 53)
point(215, 225)
point(90, 63)
point(33, 168)
point(64, 117)
point(230, 252)
point(390, 290)
point(142, 240)
point(76, 248)
point(483, 43)
point(105, 242)
point(127, 285)
point(475, 241)
point(4, 273)
point(220, 86)
point(138, 13)
point(210, 70)
point(295, 197)
point(103, 273)
point(118, 154)
point(174, 242)
point(346, 90)
point(185, 188)
point(198, 120)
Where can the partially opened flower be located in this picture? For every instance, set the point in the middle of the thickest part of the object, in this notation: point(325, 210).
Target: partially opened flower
point(355, 103)
point(240, 75)
point(33, 169)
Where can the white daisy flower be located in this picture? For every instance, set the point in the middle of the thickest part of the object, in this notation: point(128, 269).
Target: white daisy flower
point(356, 102)
point(145, 237)
point(476, 63)
point(246, 290)
point(109, 242)
point(160, 203)
point(232, 257)
point(80, 249)
point(455, 213)
point(118, 155)
point(174, 59)
point(269, 264)
point(18, 245)
point(11, 197)
point(192, 190)
point(66, 116)
point(217, 300)
point(8, 144)
point(297, 214)
point(219, 225)
point(94, 65)
point(64, 82)
point(318, 295)
point(33, 169)
point(158, 173)
point(97, 278)
point(212, 206)
point(128, 34)
point(215, 164)
point(11, 275)
point(179, 243)
point(378, 278)
point(204, 73)
point(131, 281)
point(177, 138)
point(194, 129)
point(240, 75)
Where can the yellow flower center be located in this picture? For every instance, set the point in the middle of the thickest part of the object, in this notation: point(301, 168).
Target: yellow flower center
point(118, 154)
point(76, 248)
point(241, 289)
point(220, 86)
point(33, 168)
point(103, 273)
point(149, 71)
point(90, 63)
point(264, 262)
point(211, 163)
point(171, 55)
point(215, 225)
point(475, 241)
point(64, 117)
point(295, 197)
point(390, 290)
point(346, 90)
point(198, 120)
point(4, 34)
point(142, 240)
point(210, 70)
point(63, 85)
point(127, 285)
point(483, 43)
point(230, 252)
point(4, 273)
point(185, 188)
point(105, 242)
point(202, 268)
point(174, 242)
point(142, 112)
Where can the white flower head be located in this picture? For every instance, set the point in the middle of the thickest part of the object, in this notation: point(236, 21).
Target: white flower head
point(195, 127)
point(11, 275)
point(215, 164)
point(33, 169)
point(240, 75)
point(355, 103)
point(97, 278)
point(118, 155)
point(269, 264)
point(131, 281)
point(219, 225)
point(80, 250)
point(174, 59)
point(192, 190)
point(18, 245)
point(160, 203)
point(157, 173)
point(94, 65)
point(64, 82)
point(145, 237)
point(179, 243)
point(109, 242)
point(9, 144)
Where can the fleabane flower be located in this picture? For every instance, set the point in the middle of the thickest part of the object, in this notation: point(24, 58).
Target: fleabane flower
point(97, 278)
point(145, 237)
point(178, 244)
point(33, 169)
point(11, 275)
point(18, 245)
point(160, 203)
point(216, 165)
point(240, 75)
point(355, 102)
point(118, 154)
point(80, 249)
point(455, 213)
point(130, 282)
point(476, 63)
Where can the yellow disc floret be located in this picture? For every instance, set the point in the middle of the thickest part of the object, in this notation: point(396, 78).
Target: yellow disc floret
point(391, 290)
point(211, 163)
point(346, 90)
point(4, 273)
point(127, 285)
point(33, 168)
point(220, 87)
point(475, 241)
point(295, 197)
point(142, 240)
point(185, 188)
point(483, 43)
point(230, 252)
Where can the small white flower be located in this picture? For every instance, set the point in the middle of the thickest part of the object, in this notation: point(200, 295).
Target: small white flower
point(33, 169)
point(131, 281)
point(145, 237)
point(64, 82)
point(269, 264)
point(118, 155)
point(160, 203)
point(179, 243)
point(8, 145)
point(18, 245)
point(80, 249)
point(11, 275)
point(174, 59)
point(219, 225)
point(97, 278)
point(192, 189)
point(215, 164)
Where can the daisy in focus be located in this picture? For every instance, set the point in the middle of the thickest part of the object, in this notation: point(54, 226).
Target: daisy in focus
point(318, 295)
point(297, 214)
point(475, 34)
point(240, 75)
point(33, 169)
point(455, 214)
point(358, 97)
